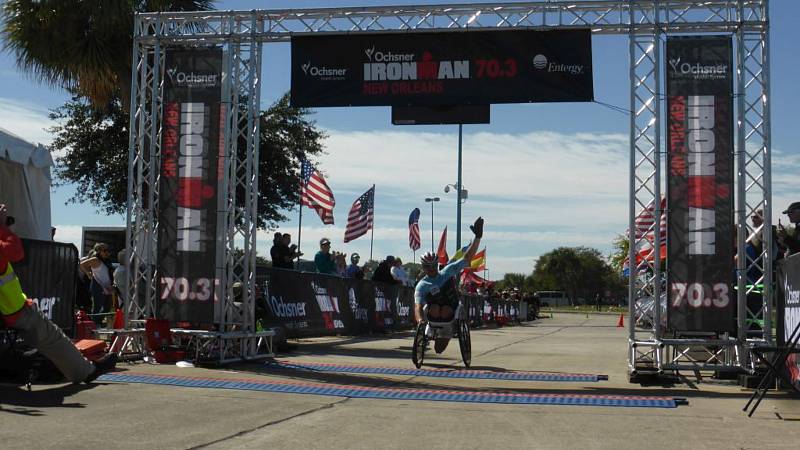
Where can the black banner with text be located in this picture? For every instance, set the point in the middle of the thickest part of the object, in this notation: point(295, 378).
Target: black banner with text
point(442, 69)
point(48, 275)
point(191, 148)
point(700, 184)
point(788, 272)
point(311, 304)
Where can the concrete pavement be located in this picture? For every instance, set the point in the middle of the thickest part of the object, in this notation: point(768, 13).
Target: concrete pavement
point(121, 415)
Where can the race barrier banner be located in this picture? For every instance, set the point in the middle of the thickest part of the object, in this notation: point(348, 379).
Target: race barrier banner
point(48, 275)
point(788, 271)
point(191, 170)
point(700, 184)
point(312, 304)
point(442, 69)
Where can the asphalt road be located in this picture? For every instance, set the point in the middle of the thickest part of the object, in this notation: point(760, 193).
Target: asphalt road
point(141, 416)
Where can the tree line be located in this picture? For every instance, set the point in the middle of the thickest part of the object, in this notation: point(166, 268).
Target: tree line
point(579, 272)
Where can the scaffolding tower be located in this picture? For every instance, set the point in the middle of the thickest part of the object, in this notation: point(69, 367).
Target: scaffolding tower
point(645, 22)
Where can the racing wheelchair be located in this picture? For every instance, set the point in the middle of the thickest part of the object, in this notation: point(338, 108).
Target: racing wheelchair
point(428, 331)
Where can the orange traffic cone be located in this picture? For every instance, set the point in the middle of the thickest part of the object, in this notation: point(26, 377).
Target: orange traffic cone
point(621, 321)
point(119, 320)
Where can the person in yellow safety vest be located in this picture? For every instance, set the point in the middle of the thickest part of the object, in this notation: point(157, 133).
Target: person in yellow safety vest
point(34, 328)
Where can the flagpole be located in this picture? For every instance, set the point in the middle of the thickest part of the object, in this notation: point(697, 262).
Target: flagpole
point(299, 231)
point(372, 234)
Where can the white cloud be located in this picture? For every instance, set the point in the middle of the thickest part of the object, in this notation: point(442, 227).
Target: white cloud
point(26, 120)
point(537, 191)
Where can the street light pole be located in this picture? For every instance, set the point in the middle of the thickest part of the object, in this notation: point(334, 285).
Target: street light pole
point(458, 194)
point(432, 201)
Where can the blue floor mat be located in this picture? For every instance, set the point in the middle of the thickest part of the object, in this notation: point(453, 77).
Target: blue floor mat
point(438, 373)
point(395, 393)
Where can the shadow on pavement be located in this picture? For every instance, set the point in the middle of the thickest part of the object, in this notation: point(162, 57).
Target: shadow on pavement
point(23, 402)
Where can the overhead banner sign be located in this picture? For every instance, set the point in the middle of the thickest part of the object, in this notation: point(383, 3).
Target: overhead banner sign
point(442, 69)
point(191, 148)
point(700, 184)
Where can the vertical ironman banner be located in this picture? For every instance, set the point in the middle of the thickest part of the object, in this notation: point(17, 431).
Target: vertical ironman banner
point(700, 184)
point(191, 147)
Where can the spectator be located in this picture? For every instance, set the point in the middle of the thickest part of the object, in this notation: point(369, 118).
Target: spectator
point(98, 264)
point(323, 261)
point(383, 273)
point(282, 253)
point(398, 272)
point(341, 263)
point(789, 236)
point(353, 270)
point(34, 328)
point(121, 277)
point(597, 301)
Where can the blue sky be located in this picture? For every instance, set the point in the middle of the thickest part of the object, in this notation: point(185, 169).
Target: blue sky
point(543, 175)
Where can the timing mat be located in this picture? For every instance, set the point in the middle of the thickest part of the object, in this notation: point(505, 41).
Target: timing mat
point(437, 373)
point(394, 393)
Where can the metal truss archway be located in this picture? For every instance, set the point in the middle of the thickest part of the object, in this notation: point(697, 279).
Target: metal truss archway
point(645, 22)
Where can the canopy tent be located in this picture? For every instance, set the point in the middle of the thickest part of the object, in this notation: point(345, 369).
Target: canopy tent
point(25, 185)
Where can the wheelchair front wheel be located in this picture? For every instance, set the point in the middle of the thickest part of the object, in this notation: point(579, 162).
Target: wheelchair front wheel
point(464, 342)
point(420, 342)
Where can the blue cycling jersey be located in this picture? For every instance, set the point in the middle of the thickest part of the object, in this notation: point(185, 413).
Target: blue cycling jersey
point(432, 285)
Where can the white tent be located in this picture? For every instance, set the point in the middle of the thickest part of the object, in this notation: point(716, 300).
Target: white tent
point(25, 185)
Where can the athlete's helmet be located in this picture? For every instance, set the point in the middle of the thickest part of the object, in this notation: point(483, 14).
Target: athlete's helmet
point(429, 259)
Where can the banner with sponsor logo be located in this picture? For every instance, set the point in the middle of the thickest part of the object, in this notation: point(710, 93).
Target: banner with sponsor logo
point(311, 304)
point(442, 69)
point(700, 184)
point(789, 310)
point(190, 172)
point(48, 275)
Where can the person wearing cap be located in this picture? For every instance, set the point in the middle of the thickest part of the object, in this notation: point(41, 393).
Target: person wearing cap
point(35, 329)
point(788, 236)
point(353, 270)
point(323, 260)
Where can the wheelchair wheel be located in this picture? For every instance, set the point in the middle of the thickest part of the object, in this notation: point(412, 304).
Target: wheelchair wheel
point(420, 342)
point(464, 342)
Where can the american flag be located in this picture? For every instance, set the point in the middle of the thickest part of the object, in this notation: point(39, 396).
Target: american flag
point(413, 230)
point(359, 220)
point(644, 226)
point(315, 193)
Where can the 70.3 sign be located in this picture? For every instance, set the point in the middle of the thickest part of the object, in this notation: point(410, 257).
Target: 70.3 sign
point(699, 295)
point(183, 289)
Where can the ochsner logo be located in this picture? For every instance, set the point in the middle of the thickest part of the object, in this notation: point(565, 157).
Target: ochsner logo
point(697, 69)
point(323, 73)
point(191, 78)
point(792, 295)
point(540, 62)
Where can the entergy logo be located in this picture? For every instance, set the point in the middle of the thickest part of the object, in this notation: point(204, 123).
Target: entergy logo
point(540, 61)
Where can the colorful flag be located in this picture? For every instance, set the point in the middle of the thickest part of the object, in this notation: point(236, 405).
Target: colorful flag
point(460, 253)
point(441, 252)
point(315, 193)
point(478, 262)
point(359, 220)
point(413, 230)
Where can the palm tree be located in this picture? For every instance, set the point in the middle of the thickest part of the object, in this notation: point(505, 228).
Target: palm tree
point(80, 45)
